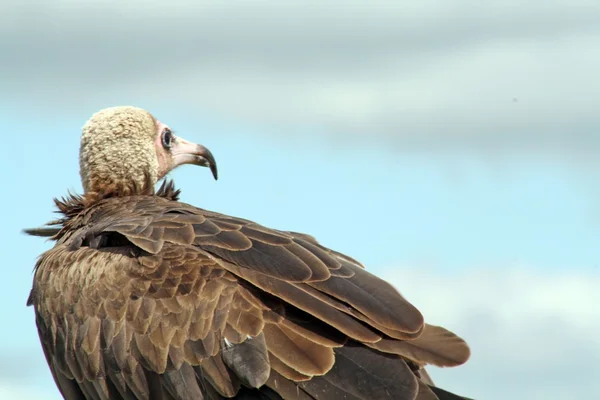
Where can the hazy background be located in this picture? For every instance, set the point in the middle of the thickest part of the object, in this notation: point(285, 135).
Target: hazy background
point(452, 146)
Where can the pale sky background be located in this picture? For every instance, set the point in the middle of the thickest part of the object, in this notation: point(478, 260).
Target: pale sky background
point(452, 146)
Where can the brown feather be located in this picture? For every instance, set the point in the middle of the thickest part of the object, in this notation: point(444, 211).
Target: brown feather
point(182, 383)
point(290, 390)
point(376, 298)
point(285, 370)
point(308, 303)
point(306, 357)
point(249, 360)
point(219, 376)
point(425, 393)
point(366, 374)
point(435, 345)
point(139, 293)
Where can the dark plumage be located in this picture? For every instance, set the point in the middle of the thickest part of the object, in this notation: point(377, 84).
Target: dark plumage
point(145, 297)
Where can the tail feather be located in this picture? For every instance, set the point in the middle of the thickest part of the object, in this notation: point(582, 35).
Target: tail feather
point(359, 373)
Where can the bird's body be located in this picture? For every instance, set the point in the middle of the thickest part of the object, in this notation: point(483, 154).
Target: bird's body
point(146, 297)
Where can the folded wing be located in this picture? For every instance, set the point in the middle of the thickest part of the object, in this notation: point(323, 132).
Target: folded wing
point(155, 299)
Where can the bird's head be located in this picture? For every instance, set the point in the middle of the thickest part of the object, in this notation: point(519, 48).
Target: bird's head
point(126, 150)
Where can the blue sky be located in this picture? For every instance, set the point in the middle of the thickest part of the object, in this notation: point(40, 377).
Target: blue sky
point(464, 170)
point(450, 215)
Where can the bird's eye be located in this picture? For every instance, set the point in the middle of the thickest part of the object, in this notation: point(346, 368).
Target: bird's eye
point(167, 138)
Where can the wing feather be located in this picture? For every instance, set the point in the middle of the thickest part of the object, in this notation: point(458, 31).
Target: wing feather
point(306, 357)
point(184, 303)
point(436, 346)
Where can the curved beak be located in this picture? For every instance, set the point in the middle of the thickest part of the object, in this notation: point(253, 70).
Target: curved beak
point(184, 152)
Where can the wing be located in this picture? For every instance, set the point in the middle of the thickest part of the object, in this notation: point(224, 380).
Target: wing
point(158, 299)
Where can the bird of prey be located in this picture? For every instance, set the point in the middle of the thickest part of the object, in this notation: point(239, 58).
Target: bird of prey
point(145, 297)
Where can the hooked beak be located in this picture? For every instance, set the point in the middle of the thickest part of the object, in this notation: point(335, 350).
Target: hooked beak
point(184, 152)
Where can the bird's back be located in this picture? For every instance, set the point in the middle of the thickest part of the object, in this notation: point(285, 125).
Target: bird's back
point(145, 297)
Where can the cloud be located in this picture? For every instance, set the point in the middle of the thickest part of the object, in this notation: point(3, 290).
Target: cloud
point(507, 77)
point(532, 331)
point(33, 357)
point(10, 390)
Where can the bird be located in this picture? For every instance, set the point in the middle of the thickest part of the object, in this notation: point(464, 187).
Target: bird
point(144, 297)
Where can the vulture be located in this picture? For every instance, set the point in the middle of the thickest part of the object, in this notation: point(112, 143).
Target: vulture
point(144, 297)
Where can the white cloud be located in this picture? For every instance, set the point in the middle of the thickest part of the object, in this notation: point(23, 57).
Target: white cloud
point(26, 392)
point(532, 332)
point(515, 77)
